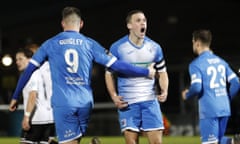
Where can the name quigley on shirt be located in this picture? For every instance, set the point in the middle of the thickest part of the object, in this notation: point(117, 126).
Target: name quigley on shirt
point(71, 41)
point(72, 80)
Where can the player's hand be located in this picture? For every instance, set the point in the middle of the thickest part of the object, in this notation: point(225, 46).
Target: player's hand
point(25, 123)
point(13, 105)
point(162, 97)
point(152, 71)
point(184, 94)
point(119, 103)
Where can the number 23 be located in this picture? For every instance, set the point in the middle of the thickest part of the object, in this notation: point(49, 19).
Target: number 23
point(214, 72)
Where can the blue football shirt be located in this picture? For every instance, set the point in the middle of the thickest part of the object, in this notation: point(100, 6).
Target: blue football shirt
point(210, 76)
point(137, 89)
point(71, 57)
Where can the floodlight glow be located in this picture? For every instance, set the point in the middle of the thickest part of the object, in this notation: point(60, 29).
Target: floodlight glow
point(7, 60)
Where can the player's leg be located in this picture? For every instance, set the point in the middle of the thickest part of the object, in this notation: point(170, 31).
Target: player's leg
point(130, 121)
point(131, 137)
point(152, 121)
point(70, 123)
point(23, 137)
point(35, 133)
point(95, 140)
point(155, 136)
point(209, 130)
point(223, 121)
point(49, 134)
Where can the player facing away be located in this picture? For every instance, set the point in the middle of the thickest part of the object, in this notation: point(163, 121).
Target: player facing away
point(135, 97)
point(215, 84)
point(71, 55)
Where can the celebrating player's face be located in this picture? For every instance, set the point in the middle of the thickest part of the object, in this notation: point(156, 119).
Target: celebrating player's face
point(138, 25)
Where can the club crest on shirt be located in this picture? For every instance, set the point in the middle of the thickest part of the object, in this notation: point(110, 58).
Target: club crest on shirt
point(124, 122)
point(150, 49)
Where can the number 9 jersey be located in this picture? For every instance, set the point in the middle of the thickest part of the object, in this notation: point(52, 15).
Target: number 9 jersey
point(71, 57)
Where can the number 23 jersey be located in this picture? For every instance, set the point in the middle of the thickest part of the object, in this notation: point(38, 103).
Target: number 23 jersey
point(213, 74)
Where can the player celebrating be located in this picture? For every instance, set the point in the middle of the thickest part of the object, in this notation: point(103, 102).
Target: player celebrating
point(215, 84)
point(135, 97)
point(71, 56)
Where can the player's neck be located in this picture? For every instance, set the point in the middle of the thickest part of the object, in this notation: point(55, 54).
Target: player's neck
point(203, 49)
point(136, 40)
point(72, 28)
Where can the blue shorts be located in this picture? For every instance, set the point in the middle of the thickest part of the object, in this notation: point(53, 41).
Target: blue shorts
point(212, 129)
point(142, 116)
point(71, 123)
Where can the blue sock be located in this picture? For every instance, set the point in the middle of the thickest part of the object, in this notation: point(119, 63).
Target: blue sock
point(226, 140)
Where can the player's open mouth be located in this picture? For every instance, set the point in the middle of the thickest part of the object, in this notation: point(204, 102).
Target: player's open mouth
point(142, 30)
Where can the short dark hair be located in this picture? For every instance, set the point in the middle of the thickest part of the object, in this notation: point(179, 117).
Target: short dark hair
point(132, 12)
point(32, 46)
point(27, 52)
point(71, 10)
point(203, 35)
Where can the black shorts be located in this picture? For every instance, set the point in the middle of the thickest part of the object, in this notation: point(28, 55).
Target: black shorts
point(38, 133)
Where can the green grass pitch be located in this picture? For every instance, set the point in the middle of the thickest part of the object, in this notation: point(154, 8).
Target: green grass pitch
point(120, 140)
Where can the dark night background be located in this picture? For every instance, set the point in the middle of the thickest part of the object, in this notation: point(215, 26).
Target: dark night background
point(169, 22)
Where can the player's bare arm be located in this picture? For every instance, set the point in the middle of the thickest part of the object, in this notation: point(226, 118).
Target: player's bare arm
point(110, 83)
point(163, 82)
